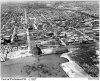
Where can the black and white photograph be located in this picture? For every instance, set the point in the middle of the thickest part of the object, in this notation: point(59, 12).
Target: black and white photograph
point(50, 39)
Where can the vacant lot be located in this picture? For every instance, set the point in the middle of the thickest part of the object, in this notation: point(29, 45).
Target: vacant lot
point(47, 66)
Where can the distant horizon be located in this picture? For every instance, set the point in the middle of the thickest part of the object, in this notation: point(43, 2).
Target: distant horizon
point(45, 1)
point(85, 5)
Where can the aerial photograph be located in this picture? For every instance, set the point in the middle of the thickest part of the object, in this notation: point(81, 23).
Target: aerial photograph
point(50, 39)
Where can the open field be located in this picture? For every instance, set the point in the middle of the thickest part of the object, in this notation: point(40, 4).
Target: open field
point(47, 66)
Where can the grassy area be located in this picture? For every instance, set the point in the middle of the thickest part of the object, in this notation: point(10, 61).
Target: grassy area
point(47, 66)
